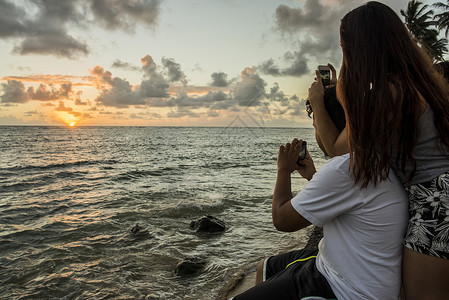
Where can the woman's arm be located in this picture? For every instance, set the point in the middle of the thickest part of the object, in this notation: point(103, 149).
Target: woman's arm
point(334, 142)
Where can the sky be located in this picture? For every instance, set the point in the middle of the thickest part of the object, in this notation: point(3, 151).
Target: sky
point(165, 62)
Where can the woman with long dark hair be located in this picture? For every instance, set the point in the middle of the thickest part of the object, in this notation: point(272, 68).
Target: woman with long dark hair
point(397, 116)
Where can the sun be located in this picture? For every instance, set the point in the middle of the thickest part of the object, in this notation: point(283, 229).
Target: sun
point(72, 124)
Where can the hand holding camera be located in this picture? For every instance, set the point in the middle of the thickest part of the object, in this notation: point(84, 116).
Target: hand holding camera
point(294, 156)
point(288, 156)
point(325, 77)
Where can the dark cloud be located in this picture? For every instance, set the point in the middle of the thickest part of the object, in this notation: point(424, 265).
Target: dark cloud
point(269, 67)
point(120, 93)
point(313, 29)
point(31, 113)
point(62, 45)
point(69, 110)
point(124, 14)
point(250, 89)
point(292, 19)
point(297, 107)
point(78, 101)
point(276, 94)
point(47, 93)
point(116, 92)
point(154, 84)
point(296, 65)
point(124, 65)
point(12, 22)
point(15, 92)
point(211, 99)
point(183, 112)
point(43, 26)
point(174, 72)
point(213, 113)
point(220, 79)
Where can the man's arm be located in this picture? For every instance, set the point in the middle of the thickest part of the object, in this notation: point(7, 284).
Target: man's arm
point(285, 217)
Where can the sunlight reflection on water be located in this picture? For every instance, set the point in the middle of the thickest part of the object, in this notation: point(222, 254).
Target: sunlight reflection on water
point(69, 197)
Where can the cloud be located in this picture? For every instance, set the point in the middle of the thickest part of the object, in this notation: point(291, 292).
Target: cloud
point(31, 113)
point(44, 27)
point(69, 110)
point(154, 84)
point(46, 93)
point(174, 71)
point(313, 29)
point(297, 107)
point(14, 91)
point(53, 79)
point(115, 92)
point(292, 19)
point(296, 65)
point(269, 67)
point(276, 94)
point(183, 112)
point(79, 101)
point(124, 14)
point(219, 79)
point(250, 89)
point(124, 65)
point(211, 99)
point(62, 45)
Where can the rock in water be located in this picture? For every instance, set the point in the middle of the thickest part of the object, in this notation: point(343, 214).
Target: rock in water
point(208, 224)
point(138, 231)
point(189, 266)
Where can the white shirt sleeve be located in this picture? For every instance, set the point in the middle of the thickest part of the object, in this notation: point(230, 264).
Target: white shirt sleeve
point(330, 193)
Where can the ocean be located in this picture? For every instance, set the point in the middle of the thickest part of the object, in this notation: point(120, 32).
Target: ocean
point(70, 196)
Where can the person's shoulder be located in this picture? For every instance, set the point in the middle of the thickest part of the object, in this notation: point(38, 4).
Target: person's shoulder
point(335, 170)
point(340, 162)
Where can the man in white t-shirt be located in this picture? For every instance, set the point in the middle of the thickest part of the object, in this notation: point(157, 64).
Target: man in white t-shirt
point(360, 254)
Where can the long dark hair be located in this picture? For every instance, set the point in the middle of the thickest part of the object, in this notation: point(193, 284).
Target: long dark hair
point(385, 81)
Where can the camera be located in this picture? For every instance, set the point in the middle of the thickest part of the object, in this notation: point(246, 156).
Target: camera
point(325, 73)
point(302, 153)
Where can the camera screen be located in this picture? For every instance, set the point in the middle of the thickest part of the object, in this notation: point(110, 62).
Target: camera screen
point(325, 77)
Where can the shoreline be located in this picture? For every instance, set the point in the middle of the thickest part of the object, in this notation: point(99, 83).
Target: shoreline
point(245, 278)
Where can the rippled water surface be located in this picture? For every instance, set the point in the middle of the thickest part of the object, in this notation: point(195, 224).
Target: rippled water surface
point(70, 196)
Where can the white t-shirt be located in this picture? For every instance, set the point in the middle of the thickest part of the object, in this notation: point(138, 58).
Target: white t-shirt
point(361, 251)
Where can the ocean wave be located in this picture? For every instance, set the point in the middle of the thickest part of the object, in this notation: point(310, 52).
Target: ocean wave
point(24, 183)
point(135, 174)
point(8, 171)
point(226, 165)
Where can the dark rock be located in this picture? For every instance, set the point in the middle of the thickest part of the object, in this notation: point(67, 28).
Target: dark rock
point(189, 266)
point(138, 231)
point(208, 224)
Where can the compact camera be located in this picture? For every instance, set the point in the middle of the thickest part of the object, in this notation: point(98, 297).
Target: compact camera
point(302, 153)
point(325, 73)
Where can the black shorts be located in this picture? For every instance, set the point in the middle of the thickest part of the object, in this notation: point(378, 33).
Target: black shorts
point(292, 275)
